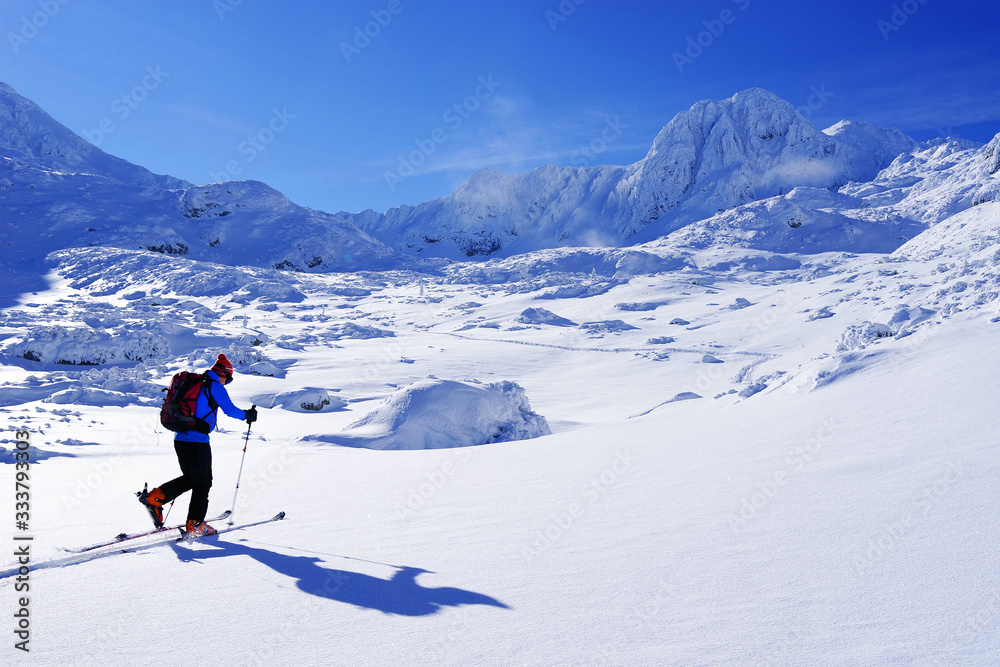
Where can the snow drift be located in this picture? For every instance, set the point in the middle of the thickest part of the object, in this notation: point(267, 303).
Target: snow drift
point(438, 414)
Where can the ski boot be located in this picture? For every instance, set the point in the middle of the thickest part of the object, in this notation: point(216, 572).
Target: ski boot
point(198, 529)
point(153, 502)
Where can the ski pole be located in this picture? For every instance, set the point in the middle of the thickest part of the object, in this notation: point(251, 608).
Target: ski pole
point(240, 474)
point(167, 515)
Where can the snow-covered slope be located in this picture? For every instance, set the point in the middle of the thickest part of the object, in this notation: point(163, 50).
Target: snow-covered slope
point(716, 156)
point(935, 181)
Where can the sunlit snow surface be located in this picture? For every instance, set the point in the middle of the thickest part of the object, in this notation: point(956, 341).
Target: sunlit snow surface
point(824, 495)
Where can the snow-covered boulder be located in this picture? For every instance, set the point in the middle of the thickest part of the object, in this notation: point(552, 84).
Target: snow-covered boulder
point(267, 369)
point(543, 316)
point(88, 347)
point(307, 399)
point(739, 304)
point(860, 336)
point(607, 326)
point(438, 414)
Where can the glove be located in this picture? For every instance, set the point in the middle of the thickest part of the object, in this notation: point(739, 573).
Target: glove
point(251, 414)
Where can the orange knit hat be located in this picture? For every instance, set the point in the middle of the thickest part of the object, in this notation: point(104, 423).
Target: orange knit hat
point(223, 367)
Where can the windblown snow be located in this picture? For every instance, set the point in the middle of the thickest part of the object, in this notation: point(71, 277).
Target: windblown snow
point(755, 428)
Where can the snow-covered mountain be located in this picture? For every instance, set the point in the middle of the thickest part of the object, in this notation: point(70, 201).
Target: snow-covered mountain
point(30, 136)
point(58, 191)
point(715, 157)
point(723, 170)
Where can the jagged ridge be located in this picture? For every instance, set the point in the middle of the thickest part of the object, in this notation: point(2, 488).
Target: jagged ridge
point(714, 157)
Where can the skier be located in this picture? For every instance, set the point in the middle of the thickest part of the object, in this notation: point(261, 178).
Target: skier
point(194, 454)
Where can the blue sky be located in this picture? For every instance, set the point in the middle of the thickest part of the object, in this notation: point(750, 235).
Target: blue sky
point(370, 104)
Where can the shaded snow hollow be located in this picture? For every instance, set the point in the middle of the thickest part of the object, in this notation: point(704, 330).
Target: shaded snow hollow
point(438, 414)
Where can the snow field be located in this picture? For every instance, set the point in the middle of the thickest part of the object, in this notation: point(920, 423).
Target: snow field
point(839, 525)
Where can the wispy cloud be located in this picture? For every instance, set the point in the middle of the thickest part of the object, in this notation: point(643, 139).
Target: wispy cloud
point(510, 133)
point(929, 91)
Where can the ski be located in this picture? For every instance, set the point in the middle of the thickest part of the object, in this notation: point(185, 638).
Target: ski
point(126, 537)
point(79, 556)
point(189, 538)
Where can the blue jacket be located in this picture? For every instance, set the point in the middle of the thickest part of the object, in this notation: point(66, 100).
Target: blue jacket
point(205, 411)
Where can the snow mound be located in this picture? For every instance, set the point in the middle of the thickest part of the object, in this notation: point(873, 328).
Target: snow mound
point(439, 414)
point(357, 331)
point(860, 336)
point(543, 316)
point(821, 314)
point(307, 399)
point(581, 290)
point(607, 326)
point(639, 306)
point(90, 396)
point(660, 340)
point(241, 356)
point(266, 369)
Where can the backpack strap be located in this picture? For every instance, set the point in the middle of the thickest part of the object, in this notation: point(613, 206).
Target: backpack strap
point(206, 386)
point(212, 403)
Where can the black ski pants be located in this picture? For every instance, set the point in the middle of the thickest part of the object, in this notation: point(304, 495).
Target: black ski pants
point(195, 459)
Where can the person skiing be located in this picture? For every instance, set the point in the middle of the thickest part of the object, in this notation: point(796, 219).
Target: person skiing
point(194, 453)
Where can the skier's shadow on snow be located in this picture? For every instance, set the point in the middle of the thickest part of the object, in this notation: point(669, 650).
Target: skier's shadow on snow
point(400, 594)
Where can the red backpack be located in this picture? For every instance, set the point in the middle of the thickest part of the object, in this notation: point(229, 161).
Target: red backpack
point(178, 411)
